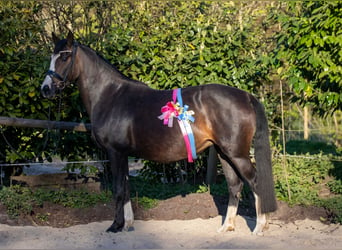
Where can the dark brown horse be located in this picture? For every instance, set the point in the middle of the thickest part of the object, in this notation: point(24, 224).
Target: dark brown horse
point(124, 117)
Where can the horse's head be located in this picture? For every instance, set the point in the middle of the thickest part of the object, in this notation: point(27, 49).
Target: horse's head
point(61, 66)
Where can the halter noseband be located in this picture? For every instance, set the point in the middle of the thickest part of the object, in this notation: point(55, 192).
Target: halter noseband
point(61, 79)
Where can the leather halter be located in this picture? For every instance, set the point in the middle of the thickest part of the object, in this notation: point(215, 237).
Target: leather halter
point(63, 79)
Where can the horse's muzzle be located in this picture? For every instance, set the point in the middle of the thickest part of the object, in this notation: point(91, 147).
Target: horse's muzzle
point(47, 92)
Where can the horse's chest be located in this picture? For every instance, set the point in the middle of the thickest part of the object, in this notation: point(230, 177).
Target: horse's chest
point(112, 129)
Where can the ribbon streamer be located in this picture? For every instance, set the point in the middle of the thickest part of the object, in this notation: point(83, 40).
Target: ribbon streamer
point(176, 109)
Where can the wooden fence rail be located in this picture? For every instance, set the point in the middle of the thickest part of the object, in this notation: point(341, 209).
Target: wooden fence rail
point(32, 123)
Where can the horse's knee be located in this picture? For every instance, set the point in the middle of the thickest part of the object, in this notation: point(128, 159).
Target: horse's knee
point(246, 171)
point(235, 190)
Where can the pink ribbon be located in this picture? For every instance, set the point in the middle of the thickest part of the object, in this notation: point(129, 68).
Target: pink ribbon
point(186, 140)
point(184, 116)
point(169, 111)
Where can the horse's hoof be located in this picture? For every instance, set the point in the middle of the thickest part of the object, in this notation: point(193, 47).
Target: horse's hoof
point(258, 233)
point(129, 229)
point(114, 229)
point(128, 226)
point(227, 228)
point(259, 230)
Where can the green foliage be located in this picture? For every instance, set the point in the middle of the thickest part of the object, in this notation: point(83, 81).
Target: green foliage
point(312, 147)
point(17, 200)
point(195, 47)
point(24, 51)
point(21, 200)
point(335, 186)
point(73, 199)
point(146, 202)
point(21, 65)
point(304, 176)
point(334, 205)
point(309, 47)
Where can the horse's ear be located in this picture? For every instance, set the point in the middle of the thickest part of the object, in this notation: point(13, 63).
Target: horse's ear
point(55, 39)
point(70, 39)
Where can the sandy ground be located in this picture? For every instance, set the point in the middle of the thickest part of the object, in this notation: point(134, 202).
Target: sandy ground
point(174, 234)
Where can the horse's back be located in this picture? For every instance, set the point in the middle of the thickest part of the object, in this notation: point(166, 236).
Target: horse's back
point(224, 115)
point(221, 103)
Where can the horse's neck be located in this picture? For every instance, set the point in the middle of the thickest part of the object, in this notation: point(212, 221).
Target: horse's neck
point(94, 78)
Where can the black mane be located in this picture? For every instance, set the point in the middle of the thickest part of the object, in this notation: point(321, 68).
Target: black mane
point(97, 56)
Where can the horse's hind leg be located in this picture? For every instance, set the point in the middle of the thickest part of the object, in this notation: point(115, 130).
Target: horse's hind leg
point(235, 185)
point(246, 170)
point(261, 221)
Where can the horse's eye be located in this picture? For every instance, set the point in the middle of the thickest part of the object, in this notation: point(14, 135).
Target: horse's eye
point(65, 55)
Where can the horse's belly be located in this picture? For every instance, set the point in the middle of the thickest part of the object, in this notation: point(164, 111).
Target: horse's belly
point(167, 151)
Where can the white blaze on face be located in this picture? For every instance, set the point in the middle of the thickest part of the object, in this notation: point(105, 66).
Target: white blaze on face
point(48, 80)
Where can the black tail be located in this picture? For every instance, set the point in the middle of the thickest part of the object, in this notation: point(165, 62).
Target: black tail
point(265, 184)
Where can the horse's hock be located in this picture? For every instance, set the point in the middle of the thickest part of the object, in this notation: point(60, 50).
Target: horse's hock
point(59, 180)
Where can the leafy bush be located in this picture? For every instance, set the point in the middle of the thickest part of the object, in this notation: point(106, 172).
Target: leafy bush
point(146, 202)
point(68, 198)
point(312, 147)
point(304, 174)
point(17, 200)
point(335, 186)
point(334, 205)
point(24, 50)
point(21, 200)
point(308, 52)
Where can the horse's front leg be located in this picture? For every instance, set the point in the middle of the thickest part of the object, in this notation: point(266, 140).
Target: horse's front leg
point(123, 215)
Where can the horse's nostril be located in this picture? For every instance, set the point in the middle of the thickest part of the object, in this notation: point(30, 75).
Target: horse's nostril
point(46, 90)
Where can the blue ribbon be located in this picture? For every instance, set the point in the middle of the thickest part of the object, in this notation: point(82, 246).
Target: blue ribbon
point(186, 117)
point(179, 97)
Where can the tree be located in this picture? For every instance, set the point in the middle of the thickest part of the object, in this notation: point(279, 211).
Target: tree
point(24, 52)
point(309, 53)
